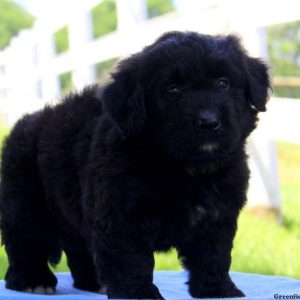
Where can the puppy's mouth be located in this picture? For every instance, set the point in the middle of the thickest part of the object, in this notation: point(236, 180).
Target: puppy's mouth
point(208, 148)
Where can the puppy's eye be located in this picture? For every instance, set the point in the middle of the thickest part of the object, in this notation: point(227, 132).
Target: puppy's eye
point(223, 83)
point(174, 90)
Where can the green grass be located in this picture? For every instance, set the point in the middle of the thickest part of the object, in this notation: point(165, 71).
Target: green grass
point(261, 245)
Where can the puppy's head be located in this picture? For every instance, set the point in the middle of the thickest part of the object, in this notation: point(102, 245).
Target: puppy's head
point(198, 96)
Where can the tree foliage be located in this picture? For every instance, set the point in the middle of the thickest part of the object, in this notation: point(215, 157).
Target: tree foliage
point(65, 82)
point(104, 16)
point(284, 48)
point(12, 19)
point(159, 7)
point(61, 40)
point(284, 53)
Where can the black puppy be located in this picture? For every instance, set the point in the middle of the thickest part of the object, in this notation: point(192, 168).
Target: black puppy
point(155, 159)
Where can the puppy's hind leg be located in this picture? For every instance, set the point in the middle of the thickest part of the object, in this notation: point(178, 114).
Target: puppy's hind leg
point(27, 232)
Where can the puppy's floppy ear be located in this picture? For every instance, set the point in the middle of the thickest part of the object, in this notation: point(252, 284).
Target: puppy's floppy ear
point(258, 83)
point(124, 99)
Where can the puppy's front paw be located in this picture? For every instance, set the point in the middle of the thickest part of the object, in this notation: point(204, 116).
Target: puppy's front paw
point(224, 291)
point(42, 290)
point(134, 292)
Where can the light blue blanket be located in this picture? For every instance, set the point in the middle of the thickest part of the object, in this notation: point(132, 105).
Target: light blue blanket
point(172, 286)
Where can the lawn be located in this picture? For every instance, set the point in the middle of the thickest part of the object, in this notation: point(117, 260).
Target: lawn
point(261, 245)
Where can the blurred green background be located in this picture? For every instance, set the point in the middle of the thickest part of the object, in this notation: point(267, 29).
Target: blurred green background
point(262, 245)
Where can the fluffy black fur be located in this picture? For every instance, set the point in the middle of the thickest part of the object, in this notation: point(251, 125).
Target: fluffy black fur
point(153, 160)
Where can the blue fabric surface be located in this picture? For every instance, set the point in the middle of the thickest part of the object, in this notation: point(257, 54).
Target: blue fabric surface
point(172, 286)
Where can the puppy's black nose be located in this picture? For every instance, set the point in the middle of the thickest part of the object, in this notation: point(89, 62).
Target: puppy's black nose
point(208, 120)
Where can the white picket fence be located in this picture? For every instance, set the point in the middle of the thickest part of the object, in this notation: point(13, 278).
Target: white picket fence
point(30, 68)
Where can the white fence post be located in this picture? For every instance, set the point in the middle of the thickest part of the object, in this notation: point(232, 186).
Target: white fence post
point(130, 13)
point(49, 79)
point(264, 189)
point(264, 183)
point(80, 33)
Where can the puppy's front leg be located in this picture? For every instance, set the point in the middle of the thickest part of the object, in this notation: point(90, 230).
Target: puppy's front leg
point(124, 263)
point(208, 259)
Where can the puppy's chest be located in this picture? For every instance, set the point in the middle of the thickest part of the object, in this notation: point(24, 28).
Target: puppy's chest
point(174, 221)
point(177, 206)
